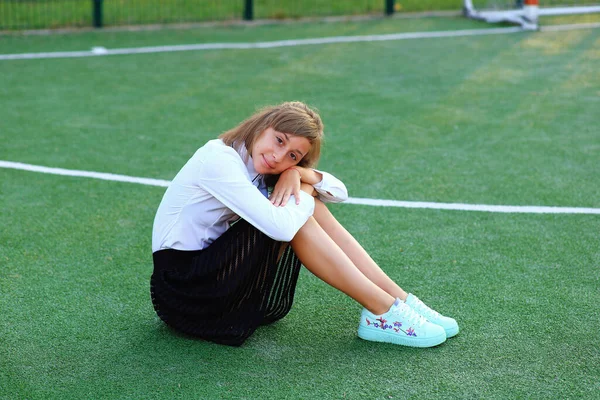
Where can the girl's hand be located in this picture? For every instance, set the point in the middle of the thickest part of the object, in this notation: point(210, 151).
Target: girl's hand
point(287, 185)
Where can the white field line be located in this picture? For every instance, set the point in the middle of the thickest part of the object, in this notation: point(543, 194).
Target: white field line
point(351, 200)
point(101, 51)
point(84, 174)
point(569, 27)
point(473, 207)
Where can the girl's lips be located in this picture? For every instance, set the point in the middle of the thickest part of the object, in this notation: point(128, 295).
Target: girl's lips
point(266, 162)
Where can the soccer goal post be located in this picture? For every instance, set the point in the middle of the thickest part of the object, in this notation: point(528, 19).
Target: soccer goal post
point(526, 12)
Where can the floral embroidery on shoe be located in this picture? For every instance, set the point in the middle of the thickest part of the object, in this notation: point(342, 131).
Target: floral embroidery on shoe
point(383, 324)
point(396, 326)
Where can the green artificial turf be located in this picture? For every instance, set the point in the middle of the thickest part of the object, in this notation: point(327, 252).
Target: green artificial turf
point(508, 119)
point(225, 34)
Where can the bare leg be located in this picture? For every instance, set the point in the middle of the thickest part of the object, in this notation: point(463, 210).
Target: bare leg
point(281, 250)
point(324, 258)
point(328, 250)
point(355, 251)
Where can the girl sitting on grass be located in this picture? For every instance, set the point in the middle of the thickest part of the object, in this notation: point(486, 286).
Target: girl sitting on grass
point(227, 253)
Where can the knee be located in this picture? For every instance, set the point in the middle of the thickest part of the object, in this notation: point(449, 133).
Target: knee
point(320, 207)
point(322, 213)
point(305, 187)
point(305, 230)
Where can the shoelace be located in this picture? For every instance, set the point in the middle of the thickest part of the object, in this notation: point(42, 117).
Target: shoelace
point(411, 315)
point(422, 308)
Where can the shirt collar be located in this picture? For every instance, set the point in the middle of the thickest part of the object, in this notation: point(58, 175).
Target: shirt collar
point(257, 180)
point(243, 152)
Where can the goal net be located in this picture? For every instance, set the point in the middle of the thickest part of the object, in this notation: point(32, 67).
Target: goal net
point(526, 12)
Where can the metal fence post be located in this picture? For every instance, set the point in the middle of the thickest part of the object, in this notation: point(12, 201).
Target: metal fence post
point(97, 13)
point(389, 7)
point(248, 10)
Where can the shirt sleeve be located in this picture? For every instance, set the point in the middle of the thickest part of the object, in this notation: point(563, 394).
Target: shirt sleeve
point(331, 189)
point(225, 177)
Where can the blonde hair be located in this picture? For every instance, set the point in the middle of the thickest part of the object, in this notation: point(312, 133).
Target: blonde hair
point(293, 117)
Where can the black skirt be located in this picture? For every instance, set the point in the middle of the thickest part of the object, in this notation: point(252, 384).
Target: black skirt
point(224, 292)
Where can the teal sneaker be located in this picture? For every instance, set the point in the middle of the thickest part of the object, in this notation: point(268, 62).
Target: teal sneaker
point(449, 324)
point(400, 325)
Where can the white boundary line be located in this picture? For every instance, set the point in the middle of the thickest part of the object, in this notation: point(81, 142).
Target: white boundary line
point(569, 27)
point(474, 207)
point(101, 51)
point(84, 174)
point(352, 200)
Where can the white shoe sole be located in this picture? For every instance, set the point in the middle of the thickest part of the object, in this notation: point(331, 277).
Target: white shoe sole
point(378, 335)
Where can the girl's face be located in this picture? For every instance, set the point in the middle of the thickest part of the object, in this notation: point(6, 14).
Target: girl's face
point(273, 152)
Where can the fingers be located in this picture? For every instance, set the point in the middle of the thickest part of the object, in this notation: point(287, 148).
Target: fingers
point(288, 185)
point(280, 198)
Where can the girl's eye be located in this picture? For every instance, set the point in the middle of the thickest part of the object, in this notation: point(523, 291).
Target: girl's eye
point(293, 156)
point(279, 140)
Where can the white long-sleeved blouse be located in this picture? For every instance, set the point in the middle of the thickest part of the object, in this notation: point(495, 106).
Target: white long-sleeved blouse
point(216, 187)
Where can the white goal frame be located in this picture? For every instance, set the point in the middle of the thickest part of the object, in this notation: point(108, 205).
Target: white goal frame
point(527, 16)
